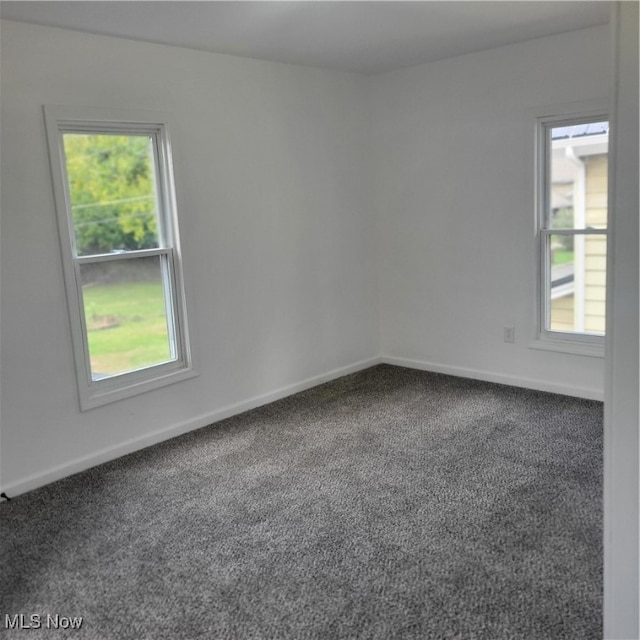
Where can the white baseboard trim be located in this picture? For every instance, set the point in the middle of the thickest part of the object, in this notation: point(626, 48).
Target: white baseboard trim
point(135, 444)
point(490, 376)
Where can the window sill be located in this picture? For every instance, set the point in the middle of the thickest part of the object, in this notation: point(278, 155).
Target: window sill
point(96, 396)
point(572, 347)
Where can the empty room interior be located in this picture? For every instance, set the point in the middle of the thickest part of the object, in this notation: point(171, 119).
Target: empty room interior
point(319, 320)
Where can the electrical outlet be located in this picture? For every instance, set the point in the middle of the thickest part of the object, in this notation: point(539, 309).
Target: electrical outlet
point(510, 334)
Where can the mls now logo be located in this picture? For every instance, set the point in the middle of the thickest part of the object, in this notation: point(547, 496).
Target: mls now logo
point(36, 621)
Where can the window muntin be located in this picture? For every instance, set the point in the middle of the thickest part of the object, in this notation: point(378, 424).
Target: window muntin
point(573, 229)
point(116, 213)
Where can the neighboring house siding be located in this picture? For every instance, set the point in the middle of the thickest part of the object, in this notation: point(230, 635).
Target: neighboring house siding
point(562, 313)
point(595, 255)
point(595, 246)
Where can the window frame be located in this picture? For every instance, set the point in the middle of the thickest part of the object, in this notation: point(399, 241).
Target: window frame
point(566, 342)
point(60, 120)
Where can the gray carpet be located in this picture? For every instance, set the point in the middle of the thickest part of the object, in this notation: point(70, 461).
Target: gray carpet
point(388, 504)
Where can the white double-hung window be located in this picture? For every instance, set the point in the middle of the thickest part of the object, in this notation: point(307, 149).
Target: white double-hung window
point(572, 231)
point(117, 219)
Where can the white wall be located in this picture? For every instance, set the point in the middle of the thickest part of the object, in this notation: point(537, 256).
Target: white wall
point(453, 154)
point(276, 183)
point(275, 225)
point(622, 415)
point(282, 182)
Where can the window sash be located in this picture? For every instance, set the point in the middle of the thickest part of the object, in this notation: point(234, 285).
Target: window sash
point(546, 285)
point(545, 125)
point(175, 334)
point(161, 167)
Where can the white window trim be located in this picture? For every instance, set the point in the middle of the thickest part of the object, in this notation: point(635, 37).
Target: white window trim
point(63, 119)
point(544, 339)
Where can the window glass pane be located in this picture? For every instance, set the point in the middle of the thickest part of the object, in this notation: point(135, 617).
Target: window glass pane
point(578, 173)
point(112, 187)
point(576, 268)
point(125, 307)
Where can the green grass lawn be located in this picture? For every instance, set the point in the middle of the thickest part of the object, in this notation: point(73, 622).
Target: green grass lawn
point(562, 256)
point(126, 325)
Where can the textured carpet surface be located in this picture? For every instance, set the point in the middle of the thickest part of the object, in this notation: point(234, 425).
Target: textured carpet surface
point(388, 504)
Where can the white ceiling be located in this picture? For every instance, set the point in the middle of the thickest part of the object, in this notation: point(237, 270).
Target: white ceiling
point(367, 37)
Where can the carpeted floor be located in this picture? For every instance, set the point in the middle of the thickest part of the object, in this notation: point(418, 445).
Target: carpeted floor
point(388, 504)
